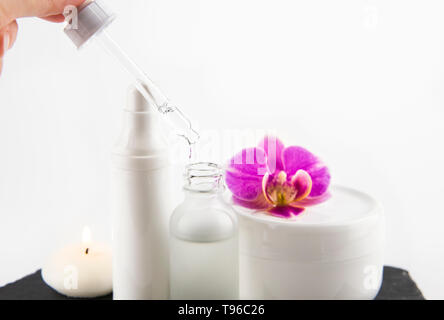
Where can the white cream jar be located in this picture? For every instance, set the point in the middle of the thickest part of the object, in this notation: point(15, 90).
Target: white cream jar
point(334, 250)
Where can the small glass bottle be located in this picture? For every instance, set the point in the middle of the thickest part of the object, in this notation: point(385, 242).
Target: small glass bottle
point(204, 262)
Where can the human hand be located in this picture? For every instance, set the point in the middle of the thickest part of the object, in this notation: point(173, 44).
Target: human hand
point(10, 10)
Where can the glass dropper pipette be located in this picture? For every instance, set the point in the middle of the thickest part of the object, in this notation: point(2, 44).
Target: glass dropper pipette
point(149, 90)
point(89, 22)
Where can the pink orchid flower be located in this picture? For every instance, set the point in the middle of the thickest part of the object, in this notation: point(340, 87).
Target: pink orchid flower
point(280, 180)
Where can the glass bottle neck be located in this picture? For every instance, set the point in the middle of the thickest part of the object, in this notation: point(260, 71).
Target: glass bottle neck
point(204, 178)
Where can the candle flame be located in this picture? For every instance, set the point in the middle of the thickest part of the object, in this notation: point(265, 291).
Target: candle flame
point(86, 235)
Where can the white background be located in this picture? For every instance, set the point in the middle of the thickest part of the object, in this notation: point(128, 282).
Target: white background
point(358, 82)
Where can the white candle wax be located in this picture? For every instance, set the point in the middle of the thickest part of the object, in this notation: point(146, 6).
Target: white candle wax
point(81, 270)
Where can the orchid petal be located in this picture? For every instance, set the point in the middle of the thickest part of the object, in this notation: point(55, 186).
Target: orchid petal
point(244, 174)
point(297, 158)
point(320, 176)
point(312, 201)
point(260, 203)
point(250, 161)
point(266, 181)
point(302, 183)
point(243, 186)
point(273, 147)
point(286, 211)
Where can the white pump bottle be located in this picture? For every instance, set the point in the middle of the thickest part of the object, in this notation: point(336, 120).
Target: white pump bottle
point(142, 204)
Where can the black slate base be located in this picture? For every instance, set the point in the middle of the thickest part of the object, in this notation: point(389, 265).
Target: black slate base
point(396, 285)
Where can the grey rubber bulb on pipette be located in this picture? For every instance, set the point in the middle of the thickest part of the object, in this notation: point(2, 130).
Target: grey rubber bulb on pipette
point(88, 20)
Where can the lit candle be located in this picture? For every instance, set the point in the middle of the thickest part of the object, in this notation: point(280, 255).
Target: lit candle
point(81, 270)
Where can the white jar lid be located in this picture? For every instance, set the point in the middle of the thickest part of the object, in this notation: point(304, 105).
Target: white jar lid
point(348, 225)
point(344, 207)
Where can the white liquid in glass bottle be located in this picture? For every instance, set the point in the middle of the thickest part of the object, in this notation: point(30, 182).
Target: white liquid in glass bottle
point(204, 239)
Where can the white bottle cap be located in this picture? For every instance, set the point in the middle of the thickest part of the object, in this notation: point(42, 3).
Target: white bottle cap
point(92, 18)
point(136, 102)
point(141, 145)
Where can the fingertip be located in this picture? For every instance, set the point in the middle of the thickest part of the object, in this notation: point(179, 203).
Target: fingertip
point(13, 31)
point(76, 2)
point(34, 8)
point(58, 18)
point(6, 42)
